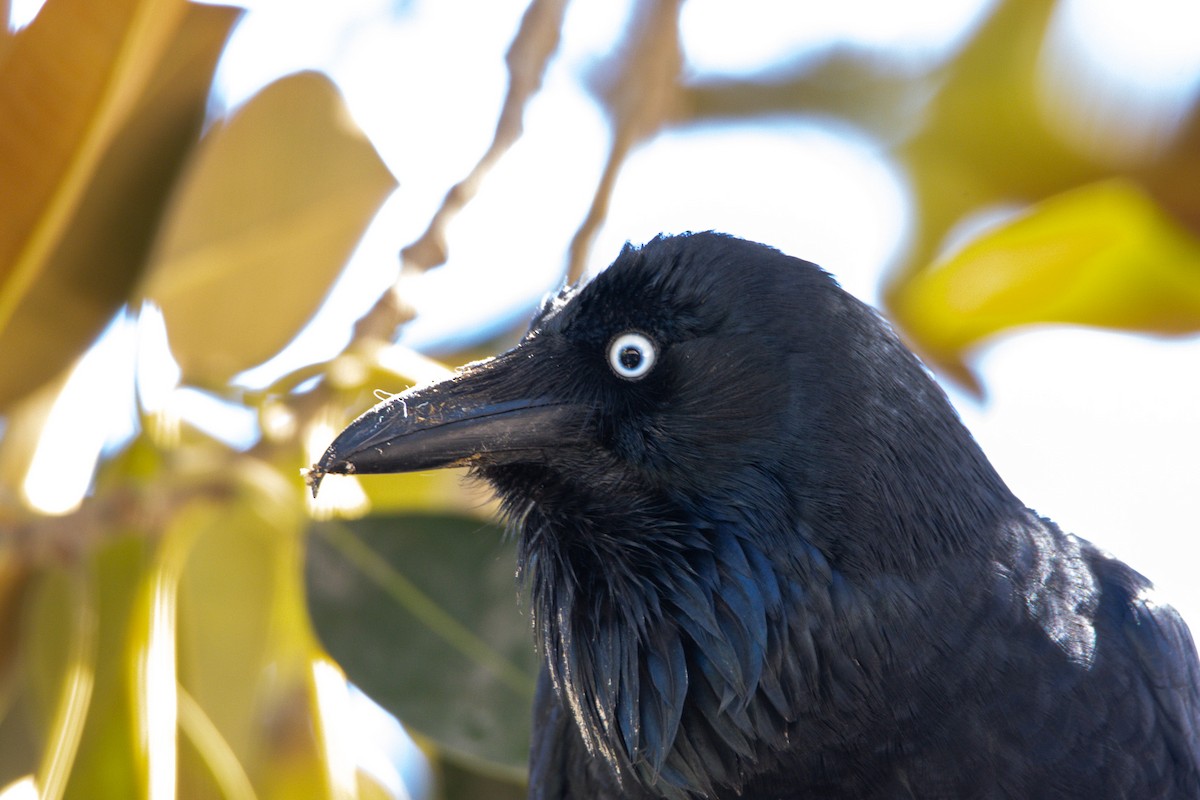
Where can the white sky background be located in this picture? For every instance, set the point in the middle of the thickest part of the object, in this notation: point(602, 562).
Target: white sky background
point(1096, 430)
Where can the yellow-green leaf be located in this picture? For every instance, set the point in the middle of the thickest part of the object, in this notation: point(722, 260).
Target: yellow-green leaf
point(60, 651)
point(99, 102)
point(247, 710)
point(225, 604)
point(1103, 255)
point(271, 208)
point(984, 138)
point(73, 656)
point(106, 762)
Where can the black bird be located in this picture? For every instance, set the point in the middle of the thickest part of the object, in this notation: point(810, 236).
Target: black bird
point(765, 559)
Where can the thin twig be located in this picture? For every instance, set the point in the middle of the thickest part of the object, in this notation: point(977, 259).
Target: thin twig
point(535, 43)
point(640, 89)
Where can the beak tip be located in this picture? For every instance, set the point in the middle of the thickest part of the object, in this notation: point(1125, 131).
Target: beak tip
point(313, 477)
point(331, 464)
point(326, 466)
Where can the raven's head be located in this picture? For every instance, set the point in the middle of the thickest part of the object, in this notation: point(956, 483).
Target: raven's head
point(697, 448)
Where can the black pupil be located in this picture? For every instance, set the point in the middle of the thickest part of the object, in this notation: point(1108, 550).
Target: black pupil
point(631, 357)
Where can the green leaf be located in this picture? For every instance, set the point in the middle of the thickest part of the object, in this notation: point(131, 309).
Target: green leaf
point(76, 630)
point(225, 604)
point(99, 103)
point(248, 715)
point(59, 648)
point(106, 762)
point(1101, 255)
point(420, 612)
point(456, 781)
point(268, 213)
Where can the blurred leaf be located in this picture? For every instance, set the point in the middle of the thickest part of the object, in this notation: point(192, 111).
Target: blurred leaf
point(106, 764)
point(268, 213)
point(14, 577)
point(225, 598)
point(64, 90)
point(1100, 255)
point(298, 763)
point(459, 781)
point(99, 103)
point(245, 650)
point(70, 613)
point(990, 138)
point(140, 464)
point(1173, 178)
point(416, 610)
point(18, 749)
point(5, 33)
point(60, 651)
point(985, 138)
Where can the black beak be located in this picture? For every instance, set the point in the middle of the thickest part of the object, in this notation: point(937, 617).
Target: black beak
point(470, 417)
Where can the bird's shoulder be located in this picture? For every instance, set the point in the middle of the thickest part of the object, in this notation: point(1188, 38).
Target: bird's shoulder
point(1148, 659)
point(1102, 679)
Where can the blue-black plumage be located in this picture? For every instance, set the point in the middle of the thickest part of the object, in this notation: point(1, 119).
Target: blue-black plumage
point(766, 560)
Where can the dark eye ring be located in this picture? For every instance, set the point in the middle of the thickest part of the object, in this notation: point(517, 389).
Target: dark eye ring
point(631, 355)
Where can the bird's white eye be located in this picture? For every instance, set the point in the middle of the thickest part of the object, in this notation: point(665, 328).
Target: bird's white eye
point(631, 355)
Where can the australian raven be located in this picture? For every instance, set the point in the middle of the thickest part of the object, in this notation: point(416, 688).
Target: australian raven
point(765, 559)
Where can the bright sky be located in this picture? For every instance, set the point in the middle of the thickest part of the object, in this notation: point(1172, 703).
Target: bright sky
point(1095, 430)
